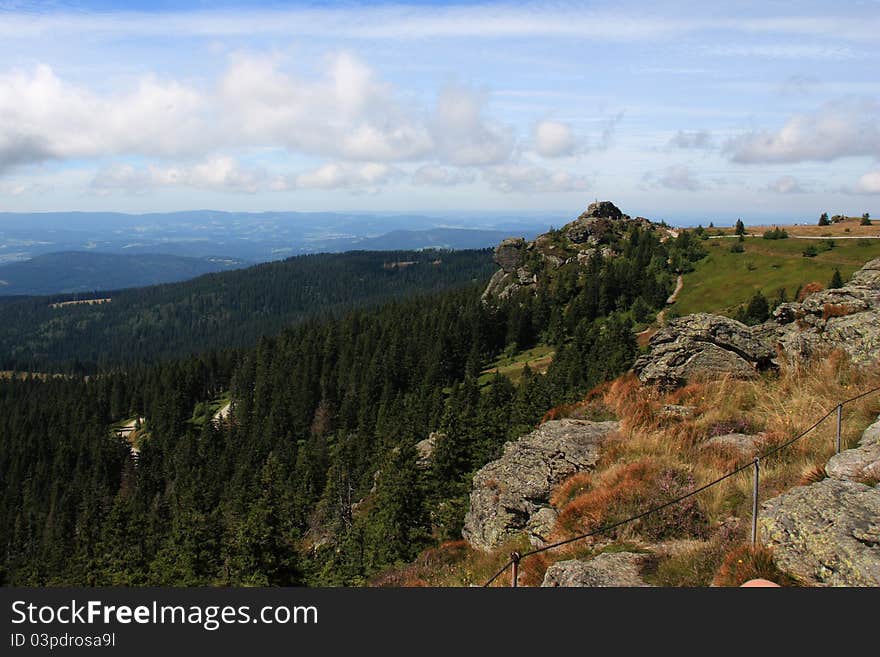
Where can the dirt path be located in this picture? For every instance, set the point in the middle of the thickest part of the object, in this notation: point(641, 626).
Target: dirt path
point(643, 336)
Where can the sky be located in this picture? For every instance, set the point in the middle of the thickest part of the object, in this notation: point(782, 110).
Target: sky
point(682, 110)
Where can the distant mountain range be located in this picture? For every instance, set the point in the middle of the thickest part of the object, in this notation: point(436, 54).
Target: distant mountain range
point(78, 271)
point(109, 252)
point(251, 236)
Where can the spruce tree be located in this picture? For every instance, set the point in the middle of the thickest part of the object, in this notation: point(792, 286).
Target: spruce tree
point(836, 281)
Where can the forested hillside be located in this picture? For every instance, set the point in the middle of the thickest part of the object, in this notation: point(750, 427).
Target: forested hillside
point(222, 310)
point(78, 271)
point(314, 477)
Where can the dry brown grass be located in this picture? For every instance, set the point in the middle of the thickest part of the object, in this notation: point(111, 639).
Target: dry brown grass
point(809, 289)
point(746, 562)
point(656, 452)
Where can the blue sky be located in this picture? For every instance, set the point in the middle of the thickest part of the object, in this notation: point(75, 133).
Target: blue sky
point(765, 110)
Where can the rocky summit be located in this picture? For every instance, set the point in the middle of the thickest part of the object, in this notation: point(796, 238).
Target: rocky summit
point(512, 494)
point(598, 231)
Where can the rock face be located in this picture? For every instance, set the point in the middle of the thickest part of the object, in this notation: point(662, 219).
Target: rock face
point(608, 569)
point(847, 318)
point(826, 534)
point(594, 233)
point(425, 449)
point(702, 344)
point(862, 463)
point(512, 494)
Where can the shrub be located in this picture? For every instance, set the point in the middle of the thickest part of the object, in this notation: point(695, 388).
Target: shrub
point(810, 252)
point(775, 233)
point(737, 247)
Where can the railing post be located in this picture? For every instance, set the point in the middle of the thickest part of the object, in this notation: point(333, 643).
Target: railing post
point(839, 421)
point(755, 502)
point(514, 571)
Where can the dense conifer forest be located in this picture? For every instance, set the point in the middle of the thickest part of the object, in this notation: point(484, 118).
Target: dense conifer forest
point(215, 311)
point(313, 478)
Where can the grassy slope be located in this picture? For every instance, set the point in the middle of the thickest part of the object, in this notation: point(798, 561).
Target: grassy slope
point(724, 280)
point(537, 358)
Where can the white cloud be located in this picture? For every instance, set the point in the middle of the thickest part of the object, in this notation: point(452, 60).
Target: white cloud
point(869, 183)
point(338, 175)
point(785, 185)
point(677, 177)
point(44, 118)
point(692, 139)
point(431, 174)
point(224, 173)
point(529, 179)
point(554, 139)
point(346, 113)
point(462, 134)
point(219, 172)
point(846, 127)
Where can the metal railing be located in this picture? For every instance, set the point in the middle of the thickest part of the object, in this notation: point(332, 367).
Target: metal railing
point(516, 557)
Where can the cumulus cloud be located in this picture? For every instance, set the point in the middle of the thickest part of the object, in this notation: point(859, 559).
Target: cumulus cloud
point(346, 113)
point(695, 139)
point(785, 185)
point(45, 118)
point(869, 183)
point(846, 127)
point(219, 172)
point(338, 175)
point(227, 174)
point(463, 136)
point(431, 174)
point(554, 139)
point(528, 179)
point(678, 177)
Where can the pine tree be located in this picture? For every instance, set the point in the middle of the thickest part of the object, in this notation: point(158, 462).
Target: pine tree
point(823, 219)
point(836, 281)
point(740, 228)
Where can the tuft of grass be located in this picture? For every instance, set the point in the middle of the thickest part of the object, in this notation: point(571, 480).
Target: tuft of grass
point(746, 562)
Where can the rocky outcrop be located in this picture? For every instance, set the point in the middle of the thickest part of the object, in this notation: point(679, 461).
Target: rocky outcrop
point(608, 569)
point(512, 494)
point(862, 463)
point(825, 534)
point(847, 318)
point(525, 265)
point(425, 449)
point(702, 345)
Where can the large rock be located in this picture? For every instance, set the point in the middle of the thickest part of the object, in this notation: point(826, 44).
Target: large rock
point(702, 345)
point(608, 569)
point(847, 318)
point(509, 494)
point(747, 445)
point(510, 254)
point(862, 463)
point(825, 534)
